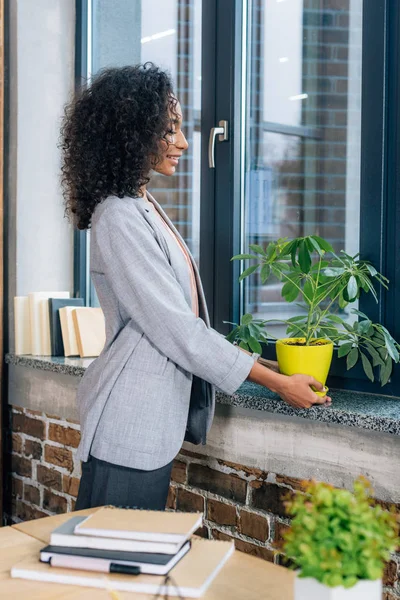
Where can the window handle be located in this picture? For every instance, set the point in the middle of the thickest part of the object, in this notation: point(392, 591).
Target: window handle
point(222, 133)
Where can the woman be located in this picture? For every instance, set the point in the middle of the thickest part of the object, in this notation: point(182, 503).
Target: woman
point(153, 385)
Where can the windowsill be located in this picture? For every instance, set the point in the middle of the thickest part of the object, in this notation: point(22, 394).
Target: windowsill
point(374, 412)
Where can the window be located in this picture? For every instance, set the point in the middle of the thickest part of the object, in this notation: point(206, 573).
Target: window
point(310, 90)
point(303, 117)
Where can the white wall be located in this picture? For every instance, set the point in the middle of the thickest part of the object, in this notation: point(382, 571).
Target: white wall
point(42, 41)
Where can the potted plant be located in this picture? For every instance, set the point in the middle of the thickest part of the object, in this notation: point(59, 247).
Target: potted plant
point(339, 542)
point(325, 283)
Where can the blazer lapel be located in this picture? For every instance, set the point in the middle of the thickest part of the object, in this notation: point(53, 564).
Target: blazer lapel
point(199, 284)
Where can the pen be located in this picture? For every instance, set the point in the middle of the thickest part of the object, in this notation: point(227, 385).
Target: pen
point(92, 564)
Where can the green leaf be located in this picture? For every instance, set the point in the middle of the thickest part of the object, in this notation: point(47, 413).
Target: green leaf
point(322, 243)
point(376, 359)
point(248, 272)
point(333, 271)
point(386, 371)
point(255, 345)
point(265, 272)
point(244, 346)
point(304, 257)
point(297, 319)
point(334, 319)
point(344, 349)
point(246, 319)
point(364, 326)
point(367, 367)
point(290, 291)
point(315, 245)
point(371, 269)
point(352, 358)
point(308, 291)
point(243, 256)
point(257, 249)
point(352, 288)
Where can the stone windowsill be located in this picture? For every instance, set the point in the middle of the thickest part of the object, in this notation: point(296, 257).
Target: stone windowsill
point(353, 409)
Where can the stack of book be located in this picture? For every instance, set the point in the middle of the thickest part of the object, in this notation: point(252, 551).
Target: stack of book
point(139, 551)
point(53, 324)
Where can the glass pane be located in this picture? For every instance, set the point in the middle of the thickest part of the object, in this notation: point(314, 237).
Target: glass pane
point(303, 118)
point(167, 33)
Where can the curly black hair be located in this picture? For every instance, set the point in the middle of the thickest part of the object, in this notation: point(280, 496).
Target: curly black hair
point(110, 136)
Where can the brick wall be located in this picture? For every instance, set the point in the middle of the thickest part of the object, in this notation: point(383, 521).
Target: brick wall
point(43, 473)
point(241, 503)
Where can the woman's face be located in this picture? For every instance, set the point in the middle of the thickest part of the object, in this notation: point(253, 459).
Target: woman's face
point(174, 146)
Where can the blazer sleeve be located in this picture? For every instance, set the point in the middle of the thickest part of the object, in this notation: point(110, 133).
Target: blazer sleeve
point(145, 285)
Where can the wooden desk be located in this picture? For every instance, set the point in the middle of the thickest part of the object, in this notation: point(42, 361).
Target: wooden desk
point(244, 577)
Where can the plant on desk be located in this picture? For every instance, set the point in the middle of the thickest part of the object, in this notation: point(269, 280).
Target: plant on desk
point(339, 542)
point(325, 283)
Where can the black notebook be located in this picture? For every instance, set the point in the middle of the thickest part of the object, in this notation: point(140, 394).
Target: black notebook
point(92, 559)
point(57, 346)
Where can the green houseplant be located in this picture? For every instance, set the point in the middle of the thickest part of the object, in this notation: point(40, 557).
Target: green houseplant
point(339, 541)
point(323, 284)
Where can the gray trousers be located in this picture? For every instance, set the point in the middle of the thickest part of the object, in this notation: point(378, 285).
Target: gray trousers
point(103, 483)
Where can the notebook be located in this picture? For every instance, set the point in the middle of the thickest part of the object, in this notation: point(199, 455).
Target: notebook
point(90, 331)
point(39, 317)
point(193, 574)
point(64, 536)
point(57, 345)
point(100, 560)
point(145, 525)
point(68, 331)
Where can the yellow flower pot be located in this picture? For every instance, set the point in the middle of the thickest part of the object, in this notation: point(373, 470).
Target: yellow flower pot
point(312, 360)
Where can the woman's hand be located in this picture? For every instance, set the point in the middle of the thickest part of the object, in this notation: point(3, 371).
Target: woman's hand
point(296, 391)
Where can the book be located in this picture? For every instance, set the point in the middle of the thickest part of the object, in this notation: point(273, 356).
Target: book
point(39, 317)
point(90, 331)
point(145, 525)
point(100, 560)
point(56, 339)
point(22, 325)
point(70, 342)
point(64, 536)
point(190, 578)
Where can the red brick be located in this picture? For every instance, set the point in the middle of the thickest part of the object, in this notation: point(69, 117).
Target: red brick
point(64, 435)
point(179, 472)
point(24, 424)
point(59, 456)
point(390, 574)
point(49, 477)
point(280, 529)
point(229, 486)
point(31, 494)
point(71, 485)
point(269, 497)
point(25, 512)
point(221, 513)
point(254, 525)
point(202, 532)
point(33, 449)
point(17, 443)
point(171, 500)
point(54, 503)
point(35, 413)
point(73, 503)
point(296, 484)
point(258, 473)
point(16, 487)
point(247, 547)
point(21, 466)
point(389, 596)
point(190, 453)
point(189, 501)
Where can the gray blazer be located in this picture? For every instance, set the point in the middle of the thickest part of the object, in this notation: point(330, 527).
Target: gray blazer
point(134, 398)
